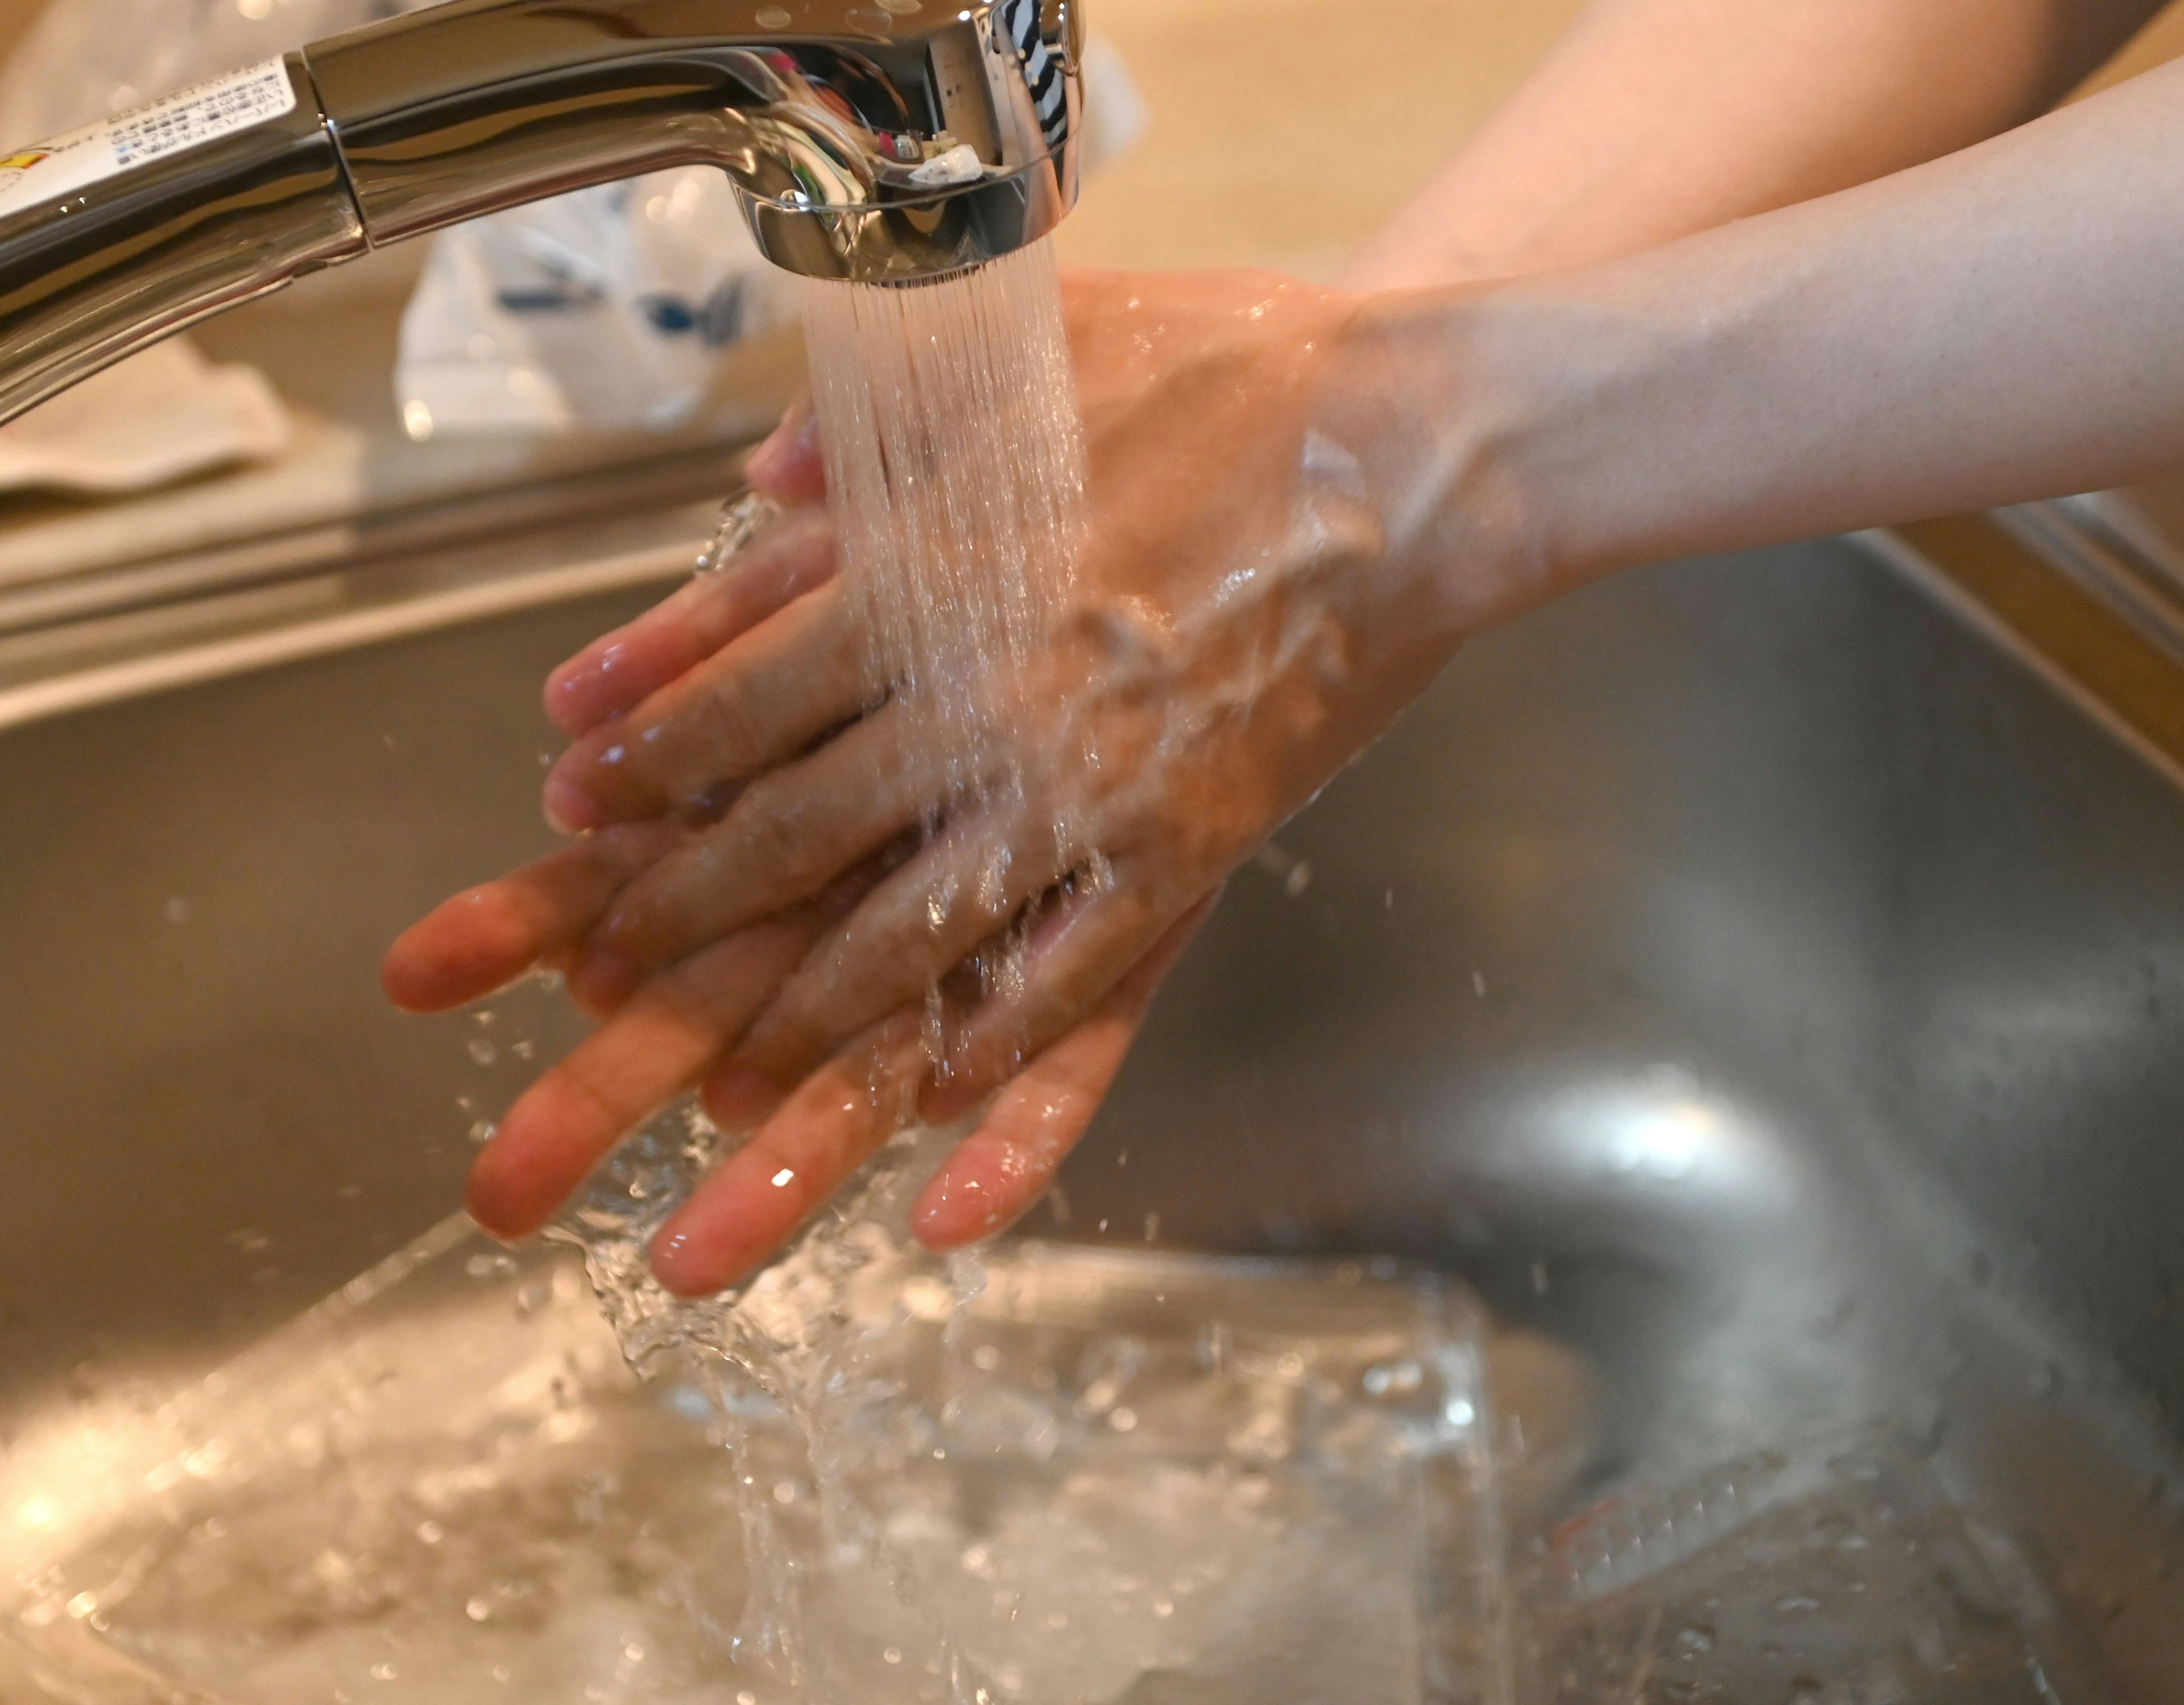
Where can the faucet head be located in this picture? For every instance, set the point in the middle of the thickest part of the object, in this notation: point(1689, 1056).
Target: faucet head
point(878, 141)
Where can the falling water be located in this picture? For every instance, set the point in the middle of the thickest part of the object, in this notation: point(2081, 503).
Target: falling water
point(955, 458)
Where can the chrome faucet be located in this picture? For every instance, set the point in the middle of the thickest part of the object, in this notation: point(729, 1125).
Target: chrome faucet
point(879, 141)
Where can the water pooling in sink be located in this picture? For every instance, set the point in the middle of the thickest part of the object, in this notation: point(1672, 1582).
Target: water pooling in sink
point(1053, 1475)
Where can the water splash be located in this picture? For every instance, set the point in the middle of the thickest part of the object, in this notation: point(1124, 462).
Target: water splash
point(1055, 1474)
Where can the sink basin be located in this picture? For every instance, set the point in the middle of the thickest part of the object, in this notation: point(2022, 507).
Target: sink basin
point(1761, 983)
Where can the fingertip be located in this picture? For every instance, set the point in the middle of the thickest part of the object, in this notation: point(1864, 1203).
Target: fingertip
point(722, 1234)
point(684, 1268)
point(403, 977)
point(464, 948)
point(952, 1211)
point(563, 699)
point(500, 1198)
point(570, 810)
point(786, 467)
point(737, 1097)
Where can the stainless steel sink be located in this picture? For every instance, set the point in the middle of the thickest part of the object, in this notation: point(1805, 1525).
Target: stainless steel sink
point(1764, 984)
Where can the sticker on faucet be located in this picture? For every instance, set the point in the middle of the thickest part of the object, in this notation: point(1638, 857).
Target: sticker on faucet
point(32, 176)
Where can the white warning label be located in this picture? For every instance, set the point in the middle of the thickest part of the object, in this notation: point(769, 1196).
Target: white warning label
point(51, 171)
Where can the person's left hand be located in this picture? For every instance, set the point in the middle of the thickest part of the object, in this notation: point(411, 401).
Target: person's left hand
point(754, 904)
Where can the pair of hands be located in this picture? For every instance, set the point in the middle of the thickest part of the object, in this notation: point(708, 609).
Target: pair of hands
point(748, 904)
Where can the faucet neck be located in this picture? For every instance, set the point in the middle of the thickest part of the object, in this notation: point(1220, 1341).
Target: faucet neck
point(880, 141)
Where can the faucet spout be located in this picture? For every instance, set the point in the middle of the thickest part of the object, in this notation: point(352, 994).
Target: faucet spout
point(879, 141)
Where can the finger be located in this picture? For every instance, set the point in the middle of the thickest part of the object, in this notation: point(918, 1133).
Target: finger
point(491, 934)
point(618, 670)
point(787, 466)
point(798, 1158)
point(650, 1050)
point(788, 833)
point(1074, 963)
point(763, 697)
point(967, 886)
point(844, 1109)
point(602, 973)
point(1005, 1166)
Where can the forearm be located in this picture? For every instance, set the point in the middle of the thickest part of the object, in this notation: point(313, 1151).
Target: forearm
point(1655, 119)
point(2002, 325)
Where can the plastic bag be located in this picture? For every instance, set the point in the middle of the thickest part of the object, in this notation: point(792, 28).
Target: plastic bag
point(608, 308)
point(603, 308)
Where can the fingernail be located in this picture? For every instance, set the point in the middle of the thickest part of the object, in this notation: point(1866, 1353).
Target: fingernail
point(739, 1097)
point(569, 808)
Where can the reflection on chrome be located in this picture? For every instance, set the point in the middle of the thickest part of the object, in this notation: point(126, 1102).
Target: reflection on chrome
point(868, 143)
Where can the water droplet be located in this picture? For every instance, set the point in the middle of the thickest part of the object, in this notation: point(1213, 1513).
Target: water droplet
point(892, 1655)
point(483, 1051)
point(772, 18)
point(477, 1610)
point(1123, 1420)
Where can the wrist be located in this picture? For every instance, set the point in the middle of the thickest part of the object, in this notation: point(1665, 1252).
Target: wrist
point(1424, 385)
point(1524, 434)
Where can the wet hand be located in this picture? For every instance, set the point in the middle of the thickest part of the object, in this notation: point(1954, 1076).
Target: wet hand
point(1242, 629)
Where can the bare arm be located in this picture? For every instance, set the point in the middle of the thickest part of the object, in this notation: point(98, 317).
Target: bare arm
point(1997, 325)
point(1654, 119)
